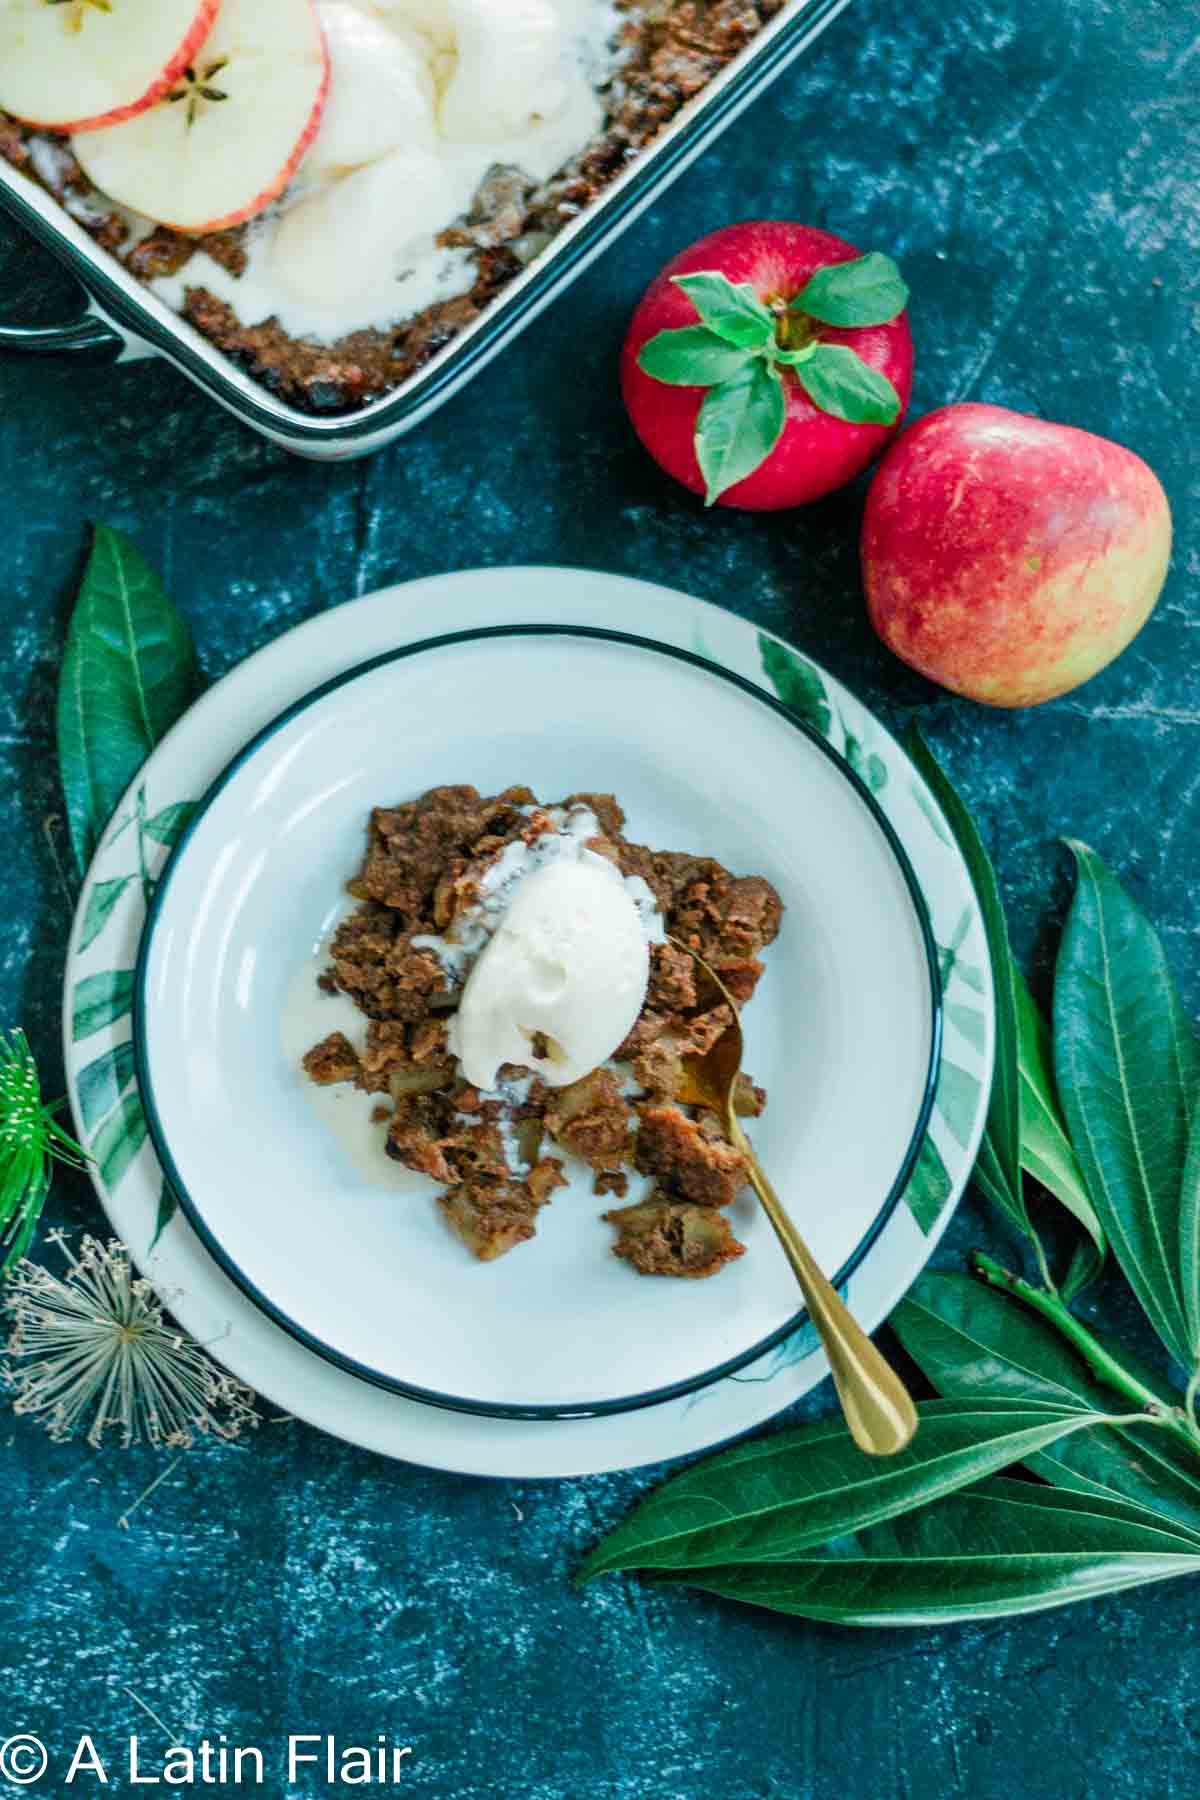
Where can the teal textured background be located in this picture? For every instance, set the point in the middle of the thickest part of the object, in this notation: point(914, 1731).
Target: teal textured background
point(1033, 163)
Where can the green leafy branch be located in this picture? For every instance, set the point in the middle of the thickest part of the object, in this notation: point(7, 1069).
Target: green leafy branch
point(1100, 1112)
point(745, 348)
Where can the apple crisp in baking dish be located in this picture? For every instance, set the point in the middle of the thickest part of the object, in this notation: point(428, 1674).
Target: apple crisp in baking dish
point(331, 191)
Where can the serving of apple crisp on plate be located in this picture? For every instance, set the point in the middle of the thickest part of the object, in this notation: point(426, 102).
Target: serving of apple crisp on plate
point(413, 1121)
point(526, 998)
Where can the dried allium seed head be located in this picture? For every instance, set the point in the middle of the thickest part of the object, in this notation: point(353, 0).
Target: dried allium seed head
point(93, 1351)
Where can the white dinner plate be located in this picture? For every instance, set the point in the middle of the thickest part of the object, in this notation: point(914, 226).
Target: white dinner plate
point(305, 1276)
point(843, 1030)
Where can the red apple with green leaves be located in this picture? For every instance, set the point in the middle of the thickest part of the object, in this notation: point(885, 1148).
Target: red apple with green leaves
point(1008, 558)
point(768, 363)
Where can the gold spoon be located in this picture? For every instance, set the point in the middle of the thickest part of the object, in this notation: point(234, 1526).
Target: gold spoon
point(877, 1406)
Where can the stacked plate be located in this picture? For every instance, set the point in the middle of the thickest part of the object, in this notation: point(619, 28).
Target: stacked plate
point(337, 1292)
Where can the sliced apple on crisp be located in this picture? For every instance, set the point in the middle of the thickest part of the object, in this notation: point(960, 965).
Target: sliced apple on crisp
point(73, 65)
point(232, 131)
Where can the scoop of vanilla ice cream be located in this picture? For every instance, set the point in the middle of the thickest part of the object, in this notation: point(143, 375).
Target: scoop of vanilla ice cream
point(569, 960)
point(345, 242)
point(382, 94)
point(511, 70)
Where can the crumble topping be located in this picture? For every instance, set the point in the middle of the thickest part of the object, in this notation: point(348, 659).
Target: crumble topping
point(438, 874)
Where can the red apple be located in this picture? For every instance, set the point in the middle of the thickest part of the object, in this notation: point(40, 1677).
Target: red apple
point(772, 262)
point(231, 133)
point(1009, 558)
point(78, 64)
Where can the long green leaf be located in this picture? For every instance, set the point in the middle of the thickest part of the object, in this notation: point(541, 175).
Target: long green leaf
point(989, 1179)
point(128, 672)
point(1005, 1548)
point(1045, 1148)
point(773, 1497)
point(1127, 1069)
point(973, 1340)
point(1004, 1111)
point(1189, 1238)
point(1139, 1464)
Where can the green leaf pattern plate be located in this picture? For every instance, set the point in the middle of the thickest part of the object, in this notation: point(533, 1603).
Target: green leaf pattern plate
point(99, 989)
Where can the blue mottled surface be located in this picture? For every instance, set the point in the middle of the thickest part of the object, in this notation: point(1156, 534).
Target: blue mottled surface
point(1034, 164)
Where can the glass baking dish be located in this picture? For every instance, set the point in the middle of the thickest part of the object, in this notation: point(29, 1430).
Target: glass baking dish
point(124, 320)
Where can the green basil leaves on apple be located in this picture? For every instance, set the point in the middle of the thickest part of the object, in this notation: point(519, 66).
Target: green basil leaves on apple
point(836, 379)
point(732, 309)
point(870, 290)
point(691, 357)
point(742, 351)
point(739, 424)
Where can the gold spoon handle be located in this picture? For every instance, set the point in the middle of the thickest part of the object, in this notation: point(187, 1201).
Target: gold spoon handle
point(877, 1405)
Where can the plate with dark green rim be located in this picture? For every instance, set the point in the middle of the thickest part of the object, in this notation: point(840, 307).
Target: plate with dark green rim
point(863, 1132)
